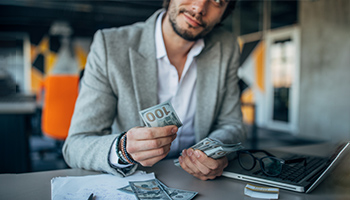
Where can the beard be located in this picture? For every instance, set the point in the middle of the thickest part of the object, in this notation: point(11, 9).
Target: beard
point(186, 33)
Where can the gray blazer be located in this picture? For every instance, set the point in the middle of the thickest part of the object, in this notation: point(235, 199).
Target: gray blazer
point(120, 79)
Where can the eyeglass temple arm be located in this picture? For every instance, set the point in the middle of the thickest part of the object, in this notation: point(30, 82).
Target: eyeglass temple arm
point(258, 150)
point(296, 161)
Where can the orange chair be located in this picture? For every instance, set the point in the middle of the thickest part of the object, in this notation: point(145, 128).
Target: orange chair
point(61, 92)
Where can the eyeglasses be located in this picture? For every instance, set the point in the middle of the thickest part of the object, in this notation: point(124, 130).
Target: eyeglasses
point(269, 164)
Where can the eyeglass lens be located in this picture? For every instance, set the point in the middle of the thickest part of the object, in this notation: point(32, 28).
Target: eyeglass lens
point(246, 160)
point(272, 166)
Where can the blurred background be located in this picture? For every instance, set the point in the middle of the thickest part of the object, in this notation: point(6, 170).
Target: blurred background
point(294, 74)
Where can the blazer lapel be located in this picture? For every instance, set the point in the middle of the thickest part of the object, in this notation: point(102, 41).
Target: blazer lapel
point(143, 65)
point(208, 71)
point(144, 75)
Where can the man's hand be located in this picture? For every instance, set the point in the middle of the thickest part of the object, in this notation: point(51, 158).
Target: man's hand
point(200, 165)
point(147, 146)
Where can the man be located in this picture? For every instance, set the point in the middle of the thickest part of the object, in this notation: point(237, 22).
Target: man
point(178, 55)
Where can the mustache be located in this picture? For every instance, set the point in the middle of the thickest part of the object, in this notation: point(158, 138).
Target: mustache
point(194, 15)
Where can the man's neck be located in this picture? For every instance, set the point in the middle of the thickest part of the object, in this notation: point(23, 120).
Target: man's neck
point(177, 48)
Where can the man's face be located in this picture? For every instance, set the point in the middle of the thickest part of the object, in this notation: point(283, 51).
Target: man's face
point(193, 19)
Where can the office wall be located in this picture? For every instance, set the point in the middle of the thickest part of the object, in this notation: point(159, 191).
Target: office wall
point(49, 54)
point(325, 69)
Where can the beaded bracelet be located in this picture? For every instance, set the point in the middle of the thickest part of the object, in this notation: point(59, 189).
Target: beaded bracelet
point(125, 153)
point(122, 149)
point(119, 152)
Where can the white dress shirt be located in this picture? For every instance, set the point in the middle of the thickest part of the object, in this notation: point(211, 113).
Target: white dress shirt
point(181, 92)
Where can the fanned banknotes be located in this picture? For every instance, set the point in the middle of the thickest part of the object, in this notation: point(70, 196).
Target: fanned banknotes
point(155, 189)
point(160, 115)
point(214, 148)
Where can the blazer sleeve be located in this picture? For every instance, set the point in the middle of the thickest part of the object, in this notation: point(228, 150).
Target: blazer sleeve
point(89, 140)
point(228, 125)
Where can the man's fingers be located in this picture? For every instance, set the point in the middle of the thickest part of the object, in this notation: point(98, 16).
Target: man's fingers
point(146, 133)
point(150, 162)
point(186, 163)
point(200, 165)
point(150, 157)
point(204, 160)
point(144, 155)
point(144, 145)
point(200, 161)
point(149, 145)
point(189, 159)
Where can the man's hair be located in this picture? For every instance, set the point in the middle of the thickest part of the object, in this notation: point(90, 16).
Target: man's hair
point(230, 7)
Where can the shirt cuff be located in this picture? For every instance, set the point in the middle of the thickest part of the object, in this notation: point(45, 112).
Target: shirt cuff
point(113, 157)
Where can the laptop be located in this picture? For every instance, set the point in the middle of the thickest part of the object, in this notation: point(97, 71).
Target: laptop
point(298, 177)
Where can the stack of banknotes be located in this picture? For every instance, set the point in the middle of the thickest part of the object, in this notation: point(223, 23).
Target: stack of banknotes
point(155, 189)
point(164, 114)
point(214, 148)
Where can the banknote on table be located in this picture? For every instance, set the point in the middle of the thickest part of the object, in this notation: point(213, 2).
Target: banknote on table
point(213, 148)
point(177, 194)
point(149, 189)
point(127, 189)
point(172, 193)
point(160, 115)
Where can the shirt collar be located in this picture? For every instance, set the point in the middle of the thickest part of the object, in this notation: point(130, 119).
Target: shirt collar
point(160, 47)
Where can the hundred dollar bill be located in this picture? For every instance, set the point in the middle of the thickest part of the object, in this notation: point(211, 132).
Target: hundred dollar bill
point(160, 115)
point(149, 189)
point(175, 194)
point(213, 148)
point(126, 189)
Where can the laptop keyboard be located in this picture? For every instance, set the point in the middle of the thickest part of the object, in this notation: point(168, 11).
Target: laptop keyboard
point(296, 172)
